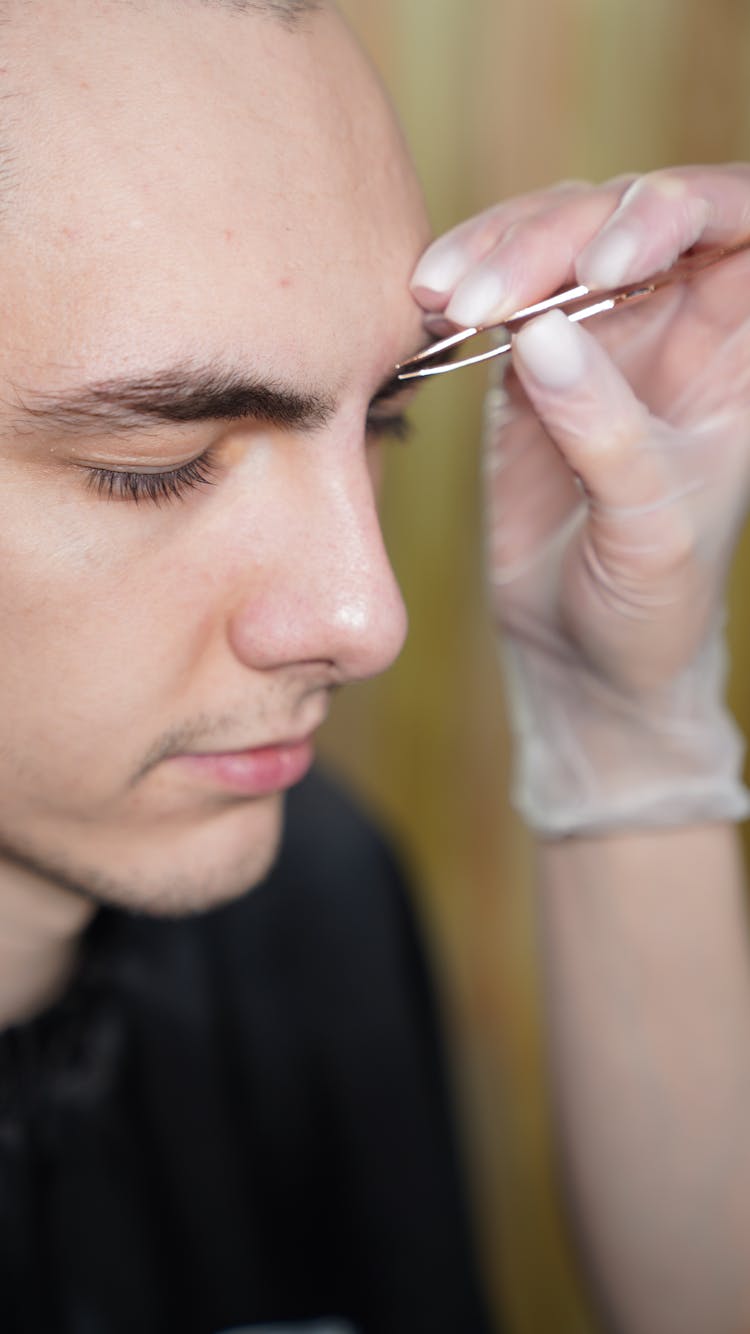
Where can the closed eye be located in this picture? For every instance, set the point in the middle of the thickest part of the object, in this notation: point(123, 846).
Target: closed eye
point(164, 487)
point(157, 487)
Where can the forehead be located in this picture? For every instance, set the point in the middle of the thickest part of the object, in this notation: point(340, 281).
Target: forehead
point(184, 177)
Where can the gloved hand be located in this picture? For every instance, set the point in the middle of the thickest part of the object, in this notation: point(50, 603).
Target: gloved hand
point(618, 477)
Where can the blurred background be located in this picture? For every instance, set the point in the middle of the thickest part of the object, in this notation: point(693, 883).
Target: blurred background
point(498, 97)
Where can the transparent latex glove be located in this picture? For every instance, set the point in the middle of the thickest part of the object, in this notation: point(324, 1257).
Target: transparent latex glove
point(618, 478)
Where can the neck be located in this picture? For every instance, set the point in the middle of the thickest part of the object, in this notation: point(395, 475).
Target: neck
point(40, 930)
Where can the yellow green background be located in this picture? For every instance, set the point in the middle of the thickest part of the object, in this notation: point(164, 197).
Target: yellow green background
point(498, 97)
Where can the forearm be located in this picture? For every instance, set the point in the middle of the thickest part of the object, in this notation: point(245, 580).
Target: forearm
point(647, 986)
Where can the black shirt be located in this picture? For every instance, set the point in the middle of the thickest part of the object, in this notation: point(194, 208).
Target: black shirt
point(241, 1118)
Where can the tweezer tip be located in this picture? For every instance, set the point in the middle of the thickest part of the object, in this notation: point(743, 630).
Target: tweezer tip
point(436, 349)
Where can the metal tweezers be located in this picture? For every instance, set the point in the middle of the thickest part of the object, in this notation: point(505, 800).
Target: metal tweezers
point(578, 303)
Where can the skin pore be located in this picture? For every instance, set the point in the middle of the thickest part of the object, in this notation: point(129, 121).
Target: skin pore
point(207, 248)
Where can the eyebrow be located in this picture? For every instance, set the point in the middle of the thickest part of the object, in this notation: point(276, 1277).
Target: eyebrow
point(180, 394)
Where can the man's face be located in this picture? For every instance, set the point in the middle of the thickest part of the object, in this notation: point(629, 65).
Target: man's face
point(206, 201)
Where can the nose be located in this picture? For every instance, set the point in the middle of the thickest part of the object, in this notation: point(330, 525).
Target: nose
point(321, 588)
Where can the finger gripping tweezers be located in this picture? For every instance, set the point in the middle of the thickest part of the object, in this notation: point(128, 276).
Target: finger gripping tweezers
point(578, 303)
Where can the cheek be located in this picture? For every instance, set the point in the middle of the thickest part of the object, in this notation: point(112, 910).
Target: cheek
point(98, 620)
point(375, 467)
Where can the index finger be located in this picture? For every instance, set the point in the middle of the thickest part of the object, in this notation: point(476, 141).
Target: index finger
point(452, 256)
point(663, 214)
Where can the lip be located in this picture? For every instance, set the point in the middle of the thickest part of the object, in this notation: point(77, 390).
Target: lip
point(258, 772)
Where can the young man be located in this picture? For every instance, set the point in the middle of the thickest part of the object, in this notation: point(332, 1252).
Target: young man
point(200, 200)
point(224, 1122)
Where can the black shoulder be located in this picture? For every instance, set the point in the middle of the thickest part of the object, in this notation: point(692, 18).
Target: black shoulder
point(330, 836)
point(335, 899)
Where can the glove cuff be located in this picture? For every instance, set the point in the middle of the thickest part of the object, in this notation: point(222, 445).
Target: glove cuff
point(591, 761)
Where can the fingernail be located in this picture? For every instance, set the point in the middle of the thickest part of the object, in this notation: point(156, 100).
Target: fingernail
point(551, 348)
point(478, 300)
point(609, 259)
point(440, 269)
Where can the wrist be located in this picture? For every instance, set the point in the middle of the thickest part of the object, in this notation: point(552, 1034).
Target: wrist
point(591, 759)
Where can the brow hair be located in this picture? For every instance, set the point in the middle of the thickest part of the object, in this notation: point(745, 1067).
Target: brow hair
point(180, 394)
point(184, 393)
point(288, 12)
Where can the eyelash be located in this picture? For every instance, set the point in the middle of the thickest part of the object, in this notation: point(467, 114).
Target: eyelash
point(398, 428)
point(158, 487)
point(163, 487)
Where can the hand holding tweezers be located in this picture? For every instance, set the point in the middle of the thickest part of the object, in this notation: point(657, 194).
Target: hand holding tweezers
point(578, 303)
